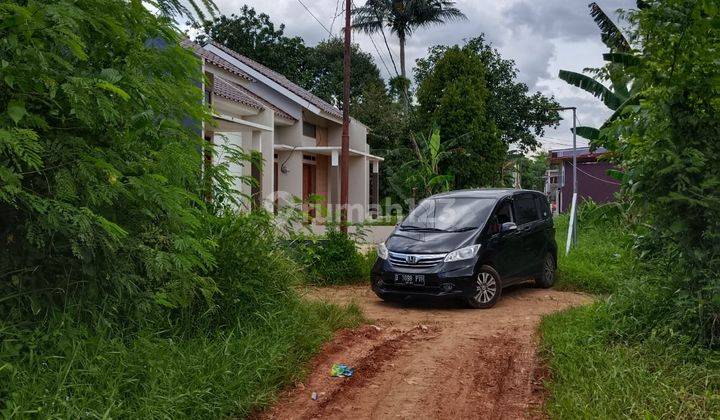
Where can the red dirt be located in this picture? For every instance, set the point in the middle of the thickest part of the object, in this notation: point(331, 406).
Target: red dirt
point(430, 360)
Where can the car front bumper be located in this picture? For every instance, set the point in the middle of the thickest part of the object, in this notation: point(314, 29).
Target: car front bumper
point(444, 280)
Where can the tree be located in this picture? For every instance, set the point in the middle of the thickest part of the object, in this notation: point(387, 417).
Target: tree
point(669, 146)
point(403, 17)
point(100, 188)
point(425, 173)
point(454, 95)
point(194, 10)
point(256, 36)
point(517, 114)
point(326, 61)
point(622, 90)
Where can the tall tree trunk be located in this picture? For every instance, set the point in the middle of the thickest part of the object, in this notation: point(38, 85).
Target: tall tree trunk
point(402, 56)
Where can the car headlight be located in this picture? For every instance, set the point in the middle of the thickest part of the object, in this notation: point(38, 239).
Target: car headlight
point(463, 253)
point(382, 251)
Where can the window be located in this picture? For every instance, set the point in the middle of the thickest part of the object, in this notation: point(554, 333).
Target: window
point(449, 214)
point(502, 215)
point(309, 129)
point(525, 209)
point(543, 206)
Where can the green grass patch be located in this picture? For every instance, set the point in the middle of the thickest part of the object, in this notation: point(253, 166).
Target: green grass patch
point(600, 261)
point(594, 376)
point(606, 361)
point(229, 373)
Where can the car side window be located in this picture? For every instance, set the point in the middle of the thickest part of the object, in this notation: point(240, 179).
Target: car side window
point(502, 215)
point(525, 209)
point(543, 206)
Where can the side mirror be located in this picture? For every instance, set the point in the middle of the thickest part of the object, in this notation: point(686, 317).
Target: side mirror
point(508, 227)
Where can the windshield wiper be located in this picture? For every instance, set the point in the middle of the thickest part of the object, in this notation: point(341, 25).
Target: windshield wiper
point(464, 229)
point(421, 228)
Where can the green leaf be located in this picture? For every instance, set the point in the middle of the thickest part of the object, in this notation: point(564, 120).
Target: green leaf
point(105, 85)
point(611, 34)
point(16, 110)
point(625, 59)
point(590, 85)
point(589, 133)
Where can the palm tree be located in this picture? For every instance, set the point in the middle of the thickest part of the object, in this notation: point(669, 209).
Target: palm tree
point(403, 17)
point(622, 90)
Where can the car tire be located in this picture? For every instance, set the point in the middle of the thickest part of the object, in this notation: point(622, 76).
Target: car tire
point(546, 279)
point(488, 288)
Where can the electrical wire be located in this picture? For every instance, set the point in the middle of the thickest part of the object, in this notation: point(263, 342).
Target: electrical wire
point(594, 177)
point(315, 17)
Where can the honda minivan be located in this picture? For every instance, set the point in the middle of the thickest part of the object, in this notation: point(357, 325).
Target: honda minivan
point(468, 244)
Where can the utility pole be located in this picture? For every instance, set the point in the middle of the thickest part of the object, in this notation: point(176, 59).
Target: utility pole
point(572, 228)
point(345, 152)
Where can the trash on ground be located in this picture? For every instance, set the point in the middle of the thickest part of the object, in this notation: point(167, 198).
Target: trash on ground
point(314, 396)
point(341, 370)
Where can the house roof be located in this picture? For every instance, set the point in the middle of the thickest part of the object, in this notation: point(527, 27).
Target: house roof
point(278, 112)
point(282, 81)
point(228, 90)
point(582, 154)
point(215, 59)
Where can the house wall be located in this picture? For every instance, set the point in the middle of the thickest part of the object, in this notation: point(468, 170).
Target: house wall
point(593, 182)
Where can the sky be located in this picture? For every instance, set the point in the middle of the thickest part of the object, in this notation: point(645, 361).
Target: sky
point(541, 36)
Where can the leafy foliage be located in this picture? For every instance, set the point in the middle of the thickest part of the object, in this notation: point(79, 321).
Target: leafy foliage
point(99, 159)
point(256, 36)
point(623, 90)
point(403, 17)
point(668, 143)
point(518, 115)
point(332, 258)
point(424, 173)
point(454, 96)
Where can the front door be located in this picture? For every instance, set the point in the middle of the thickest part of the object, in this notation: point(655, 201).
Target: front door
point(308, 187)
point(506, 246)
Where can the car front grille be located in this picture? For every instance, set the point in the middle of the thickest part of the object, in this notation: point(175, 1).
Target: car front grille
point(415, 260)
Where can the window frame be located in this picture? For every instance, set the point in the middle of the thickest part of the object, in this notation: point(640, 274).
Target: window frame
point(516, 209)
point(306, 126)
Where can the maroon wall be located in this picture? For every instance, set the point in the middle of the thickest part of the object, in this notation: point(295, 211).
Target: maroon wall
point(593, 182)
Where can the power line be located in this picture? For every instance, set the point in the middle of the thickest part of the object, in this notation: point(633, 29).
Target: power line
point(594, 177)
point(315, 17)
point(337, 6)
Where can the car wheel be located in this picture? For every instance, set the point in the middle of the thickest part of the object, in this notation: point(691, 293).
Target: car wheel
point(487, 288)
point(547, 278)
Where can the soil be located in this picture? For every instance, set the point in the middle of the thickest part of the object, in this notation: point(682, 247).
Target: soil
point(430, 360)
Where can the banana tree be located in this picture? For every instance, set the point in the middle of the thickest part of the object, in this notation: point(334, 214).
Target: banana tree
point(426, 176)
point(622, 90)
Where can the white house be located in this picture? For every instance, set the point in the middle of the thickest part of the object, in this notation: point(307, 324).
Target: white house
point(297, 133)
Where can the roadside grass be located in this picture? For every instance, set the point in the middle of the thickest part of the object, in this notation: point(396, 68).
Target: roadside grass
point(597, 372)
point(599, 263)
point(233, 372)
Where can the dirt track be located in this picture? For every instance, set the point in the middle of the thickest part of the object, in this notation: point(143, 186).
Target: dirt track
point(430, 360)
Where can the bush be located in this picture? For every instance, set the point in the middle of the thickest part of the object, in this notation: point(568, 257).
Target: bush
point(334, 259)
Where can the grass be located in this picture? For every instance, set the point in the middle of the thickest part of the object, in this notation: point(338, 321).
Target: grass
point(598, 264)
point(595, 377)
point(597, 374)
point(231, 373)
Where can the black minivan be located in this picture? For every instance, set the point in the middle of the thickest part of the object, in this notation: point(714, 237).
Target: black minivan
point(470, 244)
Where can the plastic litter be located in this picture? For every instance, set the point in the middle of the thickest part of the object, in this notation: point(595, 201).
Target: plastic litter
point(314, 396)
point(341, 370)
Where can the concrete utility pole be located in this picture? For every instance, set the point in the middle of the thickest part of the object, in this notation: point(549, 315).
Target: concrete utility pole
point(572, 228)
point(345, 152)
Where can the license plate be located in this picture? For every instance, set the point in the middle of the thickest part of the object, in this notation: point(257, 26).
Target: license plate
point(410, 279)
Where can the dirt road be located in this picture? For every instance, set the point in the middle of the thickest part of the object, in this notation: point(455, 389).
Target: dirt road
point(427, 360)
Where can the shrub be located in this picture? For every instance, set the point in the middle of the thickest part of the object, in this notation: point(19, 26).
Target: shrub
point(99, 169)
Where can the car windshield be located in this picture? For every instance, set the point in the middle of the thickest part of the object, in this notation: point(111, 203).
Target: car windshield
point(449, 214)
